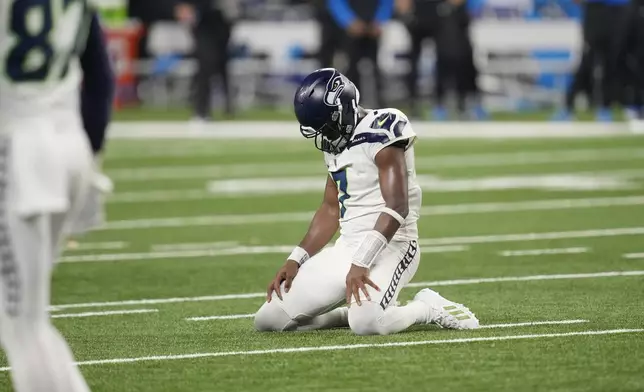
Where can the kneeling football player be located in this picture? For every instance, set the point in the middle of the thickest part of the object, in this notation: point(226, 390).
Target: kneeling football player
point(372, 196)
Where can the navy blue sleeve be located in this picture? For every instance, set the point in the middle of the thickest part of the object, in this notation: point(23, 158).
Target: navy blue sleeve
point(341, 12)
point(385, 11)
point(98, 86)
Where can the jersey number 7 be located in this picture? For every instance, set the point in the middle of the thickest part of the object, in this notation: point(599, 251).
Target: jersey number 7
point(340, 178)
point(46, 34)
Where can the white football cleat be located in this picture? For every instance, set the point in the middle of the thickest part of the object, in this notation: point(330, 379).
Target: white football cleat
point(446, 313)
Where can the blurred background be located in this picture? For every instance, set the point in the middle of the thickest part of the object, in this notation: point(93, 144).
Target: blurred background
point(437, 59)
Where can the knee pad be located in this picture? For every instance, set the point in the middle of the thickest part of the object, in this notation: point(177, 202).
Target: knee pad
point(271, 317)
point(365, 319)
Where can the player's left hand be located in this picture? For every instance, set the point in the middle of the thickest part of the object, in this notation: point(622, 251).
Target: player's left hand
point(358, 279)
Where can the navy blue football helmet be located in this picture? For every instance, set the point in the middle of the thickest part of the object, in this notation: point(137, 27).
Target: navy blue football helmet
point(326, 106)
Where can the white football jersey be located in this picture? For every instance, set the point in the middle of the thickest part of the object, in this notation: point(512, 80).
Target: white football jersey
point(355, 173)
point(39, 64)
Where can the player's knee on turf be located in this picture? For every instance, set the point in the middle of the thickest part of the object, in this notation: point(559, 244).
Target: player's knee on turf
point(366, 319)
point(271, 317)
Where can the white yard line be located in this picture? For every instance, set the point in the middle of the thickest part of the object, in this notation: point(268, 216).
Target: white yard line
point(81, 246)
point(224, 297)
point(488, 326)
point(265, 130)
point(530, 158)
point(633, 255)
point(251, 187)
point(593, 275)
point(533, 324)
point(178, 254)
point(352, 347)
point(223, 317)
point(160, 195)
point(194, 246)
point(542, 252)
point(163, 148)
point(156, 301)
point(554, 235)
point(215, 171)
point(207, 220)
point(448, 209)
point(531, 205)
point(166, 152)
point(208, 250)
point(429, 163)
point(107, 313)
point(444, 248)
point(428, 245)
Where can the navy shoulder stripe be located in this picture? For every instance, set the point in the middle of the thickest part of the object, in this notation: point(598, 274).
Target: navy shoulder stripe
point(369, 137)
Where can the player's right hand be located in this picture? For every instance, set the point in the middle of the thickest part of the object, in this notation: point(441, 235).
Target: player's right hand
point(286, 274)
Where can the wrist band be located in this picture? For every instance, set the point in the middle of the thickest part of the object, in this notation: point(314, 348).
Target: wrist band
point(372, 244)
point(299, 255)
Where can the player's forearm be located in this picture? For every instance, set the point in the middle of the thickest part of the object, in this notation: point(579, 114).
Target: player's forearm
point(392, 173)
point(376, 240)
point(321, 230)
point(387, 224)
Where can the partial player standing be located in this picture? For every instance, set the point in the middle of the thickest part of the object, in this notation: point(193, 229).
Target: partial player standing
point(372, 196)
point(97, 94)
point(45, 171)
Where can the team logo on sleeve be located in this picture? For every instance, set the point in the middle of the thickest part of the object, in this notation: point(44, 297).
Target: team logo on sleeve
point(333, 90)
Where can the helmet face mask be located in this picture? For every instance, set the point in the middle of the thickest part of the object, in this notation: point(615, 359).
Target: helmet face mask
point(327, 139)
point(332, 137)
point(327, 108)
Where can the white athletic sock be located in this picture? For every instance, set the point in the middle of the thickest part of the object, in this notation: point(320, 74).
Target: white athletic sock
point(421, 310)
point(399, 318)
point(370, 319)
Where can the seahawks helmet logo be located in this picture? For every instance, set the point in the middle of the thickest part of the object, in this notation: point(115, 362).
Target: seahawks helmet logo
point(333, 90)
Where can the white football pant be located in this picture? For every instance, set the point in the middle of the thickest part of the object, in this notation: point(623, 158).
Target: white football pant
point(319, 288)
point(44, 168)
